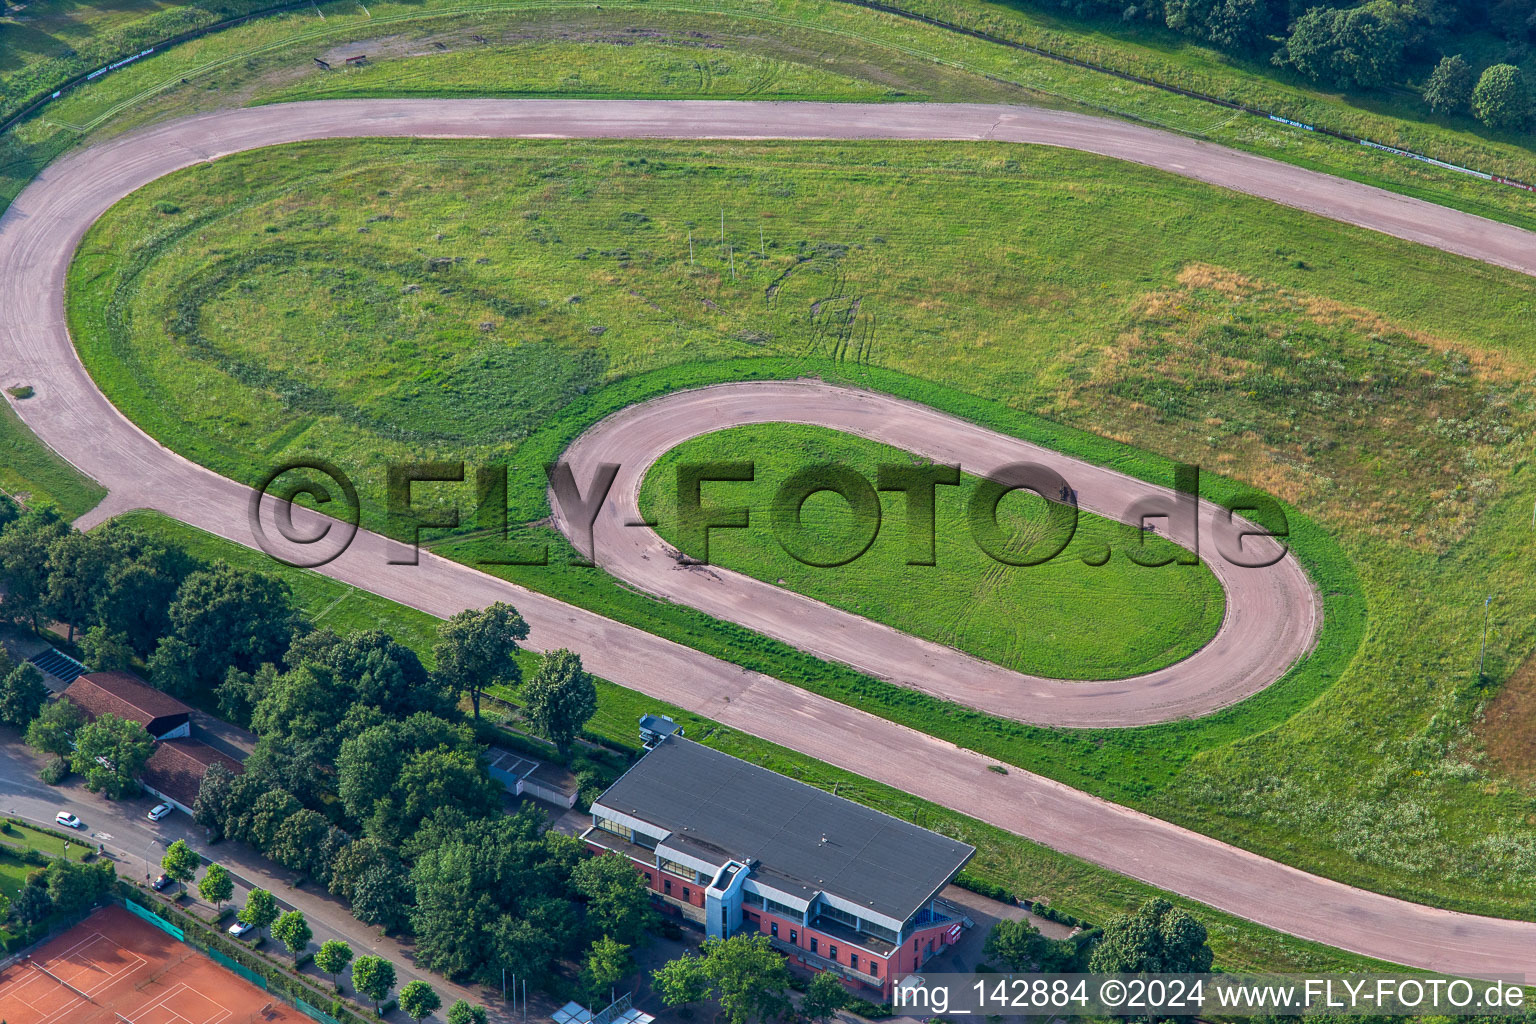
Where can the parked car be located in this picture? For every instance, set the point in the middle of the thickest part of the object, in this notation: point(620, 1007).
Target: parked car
point(162, 883)
point(68, 820)
point(240, 929)
point(159, 811)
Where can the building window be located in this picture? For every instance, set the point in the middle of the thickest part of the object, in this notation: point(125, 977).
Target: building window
point(814, 942)
point(853, 960)
point(666, 885)
point(835, 914)
point(794, 936)
point(874, 968)
point(783, 911)
point(725, 924)
point(613, 827)
point(751, 899)
point(680, 870)
point(773, 928)
point(647, 878)
point(832, 953)
point(686, 897)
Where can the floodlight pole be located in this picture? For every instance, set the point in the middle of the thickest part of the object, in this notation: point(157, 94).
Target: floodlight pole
point(1483, 653)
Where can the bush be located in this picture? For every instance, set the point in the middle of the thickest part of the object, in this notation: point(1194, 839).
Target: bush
point(982, 887)
point(20, 391)
point(865, 1008)
point(54, 771)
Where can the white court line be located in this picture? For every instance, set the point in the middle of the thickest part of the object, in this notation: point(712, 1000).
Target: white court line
point(226, 1011)
point(91, 967)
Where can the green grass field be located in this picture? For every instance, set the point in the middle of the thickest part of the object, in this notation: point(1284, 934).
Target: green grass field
point(1062, 619)
point(1027, 868)
point(31, 472)
point(522, 291)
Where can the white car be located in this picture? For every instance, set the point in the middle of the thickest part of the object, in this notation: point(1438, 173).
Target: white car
point(159, 811)
point(68, 820)
point(240, 929)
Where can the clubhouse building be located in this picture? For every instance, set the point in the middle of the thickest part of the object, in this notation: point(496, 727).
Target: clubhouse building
point(731, 846)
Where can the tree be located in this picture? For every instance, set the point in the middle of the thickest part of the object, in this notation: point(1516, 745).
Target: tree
point(24, 548)
point(260, 909)
point(173, 666)
point(73, 886)
point(22, 695)
point(135, 597)
point(824, 997)
point(373, 977)
point(382, 672)
point(110, 752)
point(418, 1000)
point(1501, 99)
point(475, 650)
point(267, 815)
point(742, 973)
point(217, 887)
point(53, 730)
point(560, 699)
point(214, 806)
point(229, 616)
point(1354, 48)
point(1156, 938)
point(297, 844)
point(681, 982)
point(293, 931)
point(1449, 89)
point(1020, 946)
point(33, 905)
point(106, 651)
point(618, 901)
point(606, 963)
point(77, 562)
point(463, 1012)
point(332, 957)
point(180, 863)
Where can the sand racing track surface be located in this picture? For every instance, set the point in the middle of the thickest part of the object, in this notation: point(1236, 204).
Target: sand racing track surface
point(41, 229)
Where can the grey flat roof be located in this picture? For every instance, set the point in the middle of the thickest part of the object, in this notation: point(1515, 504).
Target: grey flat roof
point(801, 835)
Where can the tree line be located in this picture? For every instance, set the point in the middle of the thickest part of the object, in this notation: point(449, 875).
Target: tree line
point(1358, 47)
point(367, 774)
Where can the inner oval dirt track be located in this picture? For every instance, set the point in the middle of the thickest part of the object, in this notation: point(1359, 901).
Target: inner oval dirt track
point(1272, 613)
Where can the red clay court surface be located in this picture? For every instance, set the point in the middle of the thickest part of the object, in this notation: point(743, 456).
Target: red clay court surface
point(113, 968)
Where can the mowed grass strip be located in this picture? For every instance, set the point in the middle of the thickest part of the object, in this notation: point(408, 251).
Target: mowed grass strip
point(1065, 618)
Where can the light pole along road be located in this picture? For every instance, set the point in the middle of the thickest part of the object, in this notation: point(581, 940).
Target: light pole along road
point(38, 236)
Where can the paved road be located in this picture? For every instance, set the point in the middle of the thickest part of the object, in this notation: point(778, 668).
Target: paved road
point(1272, 613)
point(40, 230)
point(136, 845)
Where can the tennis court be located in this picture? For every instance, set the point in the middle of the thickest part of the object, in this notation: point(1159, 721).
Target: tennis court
point(113, 968)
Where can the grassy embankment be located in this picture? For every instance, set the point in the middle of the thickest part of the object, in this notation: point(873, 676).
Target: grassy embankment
point(525, 290)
